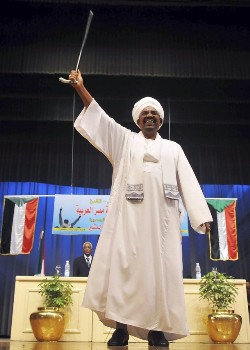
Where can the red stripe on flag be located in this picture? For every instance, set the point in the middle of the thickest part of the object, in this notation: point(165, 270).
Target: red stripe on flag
point(230, 217)
point(29, 225)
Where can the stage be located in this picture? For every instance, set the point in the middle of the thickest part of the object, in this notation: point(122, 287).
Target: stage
point(17, 345)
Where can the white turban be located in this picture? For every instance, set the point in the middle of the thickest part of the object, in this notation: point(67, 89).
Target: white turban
point(146, 102)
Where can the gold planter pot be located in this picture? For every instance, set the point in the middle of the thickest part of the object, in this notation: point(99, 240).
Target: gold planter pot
point(223, 326)
point(47, 324)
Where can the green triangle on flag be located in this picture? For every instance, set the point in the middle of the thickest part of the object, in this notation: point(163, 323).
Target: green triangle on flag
point(220, 204)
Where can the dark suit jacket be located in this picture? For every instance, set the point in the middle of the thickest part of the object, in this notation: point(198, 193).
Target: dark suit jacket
point(80, 267)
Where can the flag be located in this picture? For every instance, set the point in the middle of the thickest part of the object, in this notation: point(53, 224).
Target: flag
point(40, 268)
point(18, 227)
point(223, 234)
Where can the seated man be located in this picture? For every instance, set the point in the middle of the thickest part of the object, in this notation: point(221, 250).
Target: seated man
point(81, 265)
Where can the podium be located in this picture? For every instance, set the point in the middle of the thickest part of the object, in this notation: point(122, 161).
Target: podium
point(84, 326)
point(27, 299)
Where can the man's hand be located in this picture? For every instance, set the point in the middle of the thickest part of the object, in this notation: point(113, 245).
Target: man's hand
point(76, 78)
point(76, 81)
point(206, 225)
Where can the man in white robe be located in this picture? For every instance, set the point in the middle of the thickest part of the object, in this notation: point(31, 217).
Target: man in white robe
point(135, 283)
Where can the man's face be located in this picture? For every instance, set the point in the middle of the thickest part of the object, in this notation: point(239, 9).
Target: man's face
point(87, 249)
point(149, 122)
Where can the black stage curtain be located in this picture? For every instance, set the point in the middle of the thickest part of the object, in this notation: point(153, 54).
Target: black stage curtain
point(51, 152)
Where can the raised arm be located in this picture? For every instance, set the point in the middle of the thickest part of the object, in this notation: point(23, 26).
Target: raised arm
point(80, 88)
point(60, 217)
point(74, 222)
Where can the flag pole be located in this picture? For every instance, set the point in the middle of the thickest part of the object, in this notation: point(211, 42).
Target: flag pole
point(223, 199)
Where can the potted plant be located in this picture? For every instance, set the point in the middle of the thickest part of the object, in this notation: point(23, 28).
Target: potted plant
point(219, 290)
point(57, 293)
point(49, 321)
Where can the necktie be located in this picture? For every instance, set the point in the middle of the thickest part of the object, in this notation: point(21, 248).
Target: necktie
point(88, 261)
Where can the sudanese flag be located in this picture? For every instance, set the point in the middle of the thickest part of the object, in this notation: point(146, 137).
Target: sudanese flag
point(223, 234)
point(18, 227)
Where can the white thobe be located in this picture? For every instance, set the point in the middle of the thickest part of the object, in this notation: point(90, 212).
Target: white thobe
point(136, 276)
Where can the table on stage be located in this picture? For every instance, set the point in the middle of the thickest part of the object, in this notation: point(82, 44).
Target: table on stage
point(84, 325)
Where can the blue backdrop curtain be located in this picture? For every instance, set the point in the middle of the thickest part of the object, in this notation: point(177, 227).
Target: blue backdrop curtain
point(59, 248)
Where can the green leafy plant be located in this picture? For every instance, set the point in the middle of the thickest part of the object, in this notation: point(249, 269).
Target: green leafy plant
point(57, 293)
point(218, 289)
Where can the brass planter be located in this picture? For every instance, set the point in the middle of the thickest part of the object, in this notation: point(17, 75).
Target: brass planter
point(223, 326)
point(47, 324)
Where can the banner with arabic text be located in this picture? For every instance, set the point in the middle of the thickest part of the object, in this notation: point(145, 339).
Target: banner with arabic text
point(85, 214)
point(79, 214)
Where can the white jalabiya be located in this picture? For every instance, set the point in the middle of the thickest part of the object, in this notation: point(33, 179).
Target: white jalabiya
point(136, 276)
